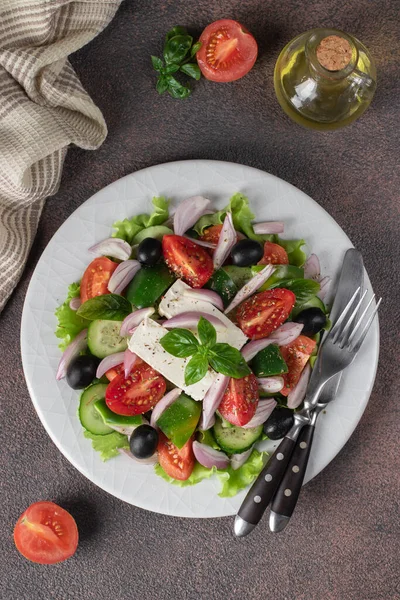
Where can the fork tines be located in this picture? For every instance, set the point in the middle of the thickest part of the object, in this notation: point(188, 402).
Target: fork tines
point(343, 332)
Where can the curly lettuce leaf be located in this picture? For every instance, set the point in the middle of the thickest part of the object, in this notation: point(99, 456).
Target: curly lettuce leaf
point(69, 323)
point(232, 481)
point(128, 228)
point(296, 255)
point(242, 218)
point(107, 445)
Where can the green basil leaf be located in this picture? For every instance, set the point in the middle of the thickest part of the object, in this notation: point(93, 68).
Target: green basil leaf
point(157, 63)
point(110, 307)
point(192, 70)
point(196, 369)
point(177, 30)
point(173, 68)
point(207, 333)
point(180, 343)
point(162, 84)
point(228, 360)
point(303, 289)
point(176, 48)
point(195, 48)
point(176, 89)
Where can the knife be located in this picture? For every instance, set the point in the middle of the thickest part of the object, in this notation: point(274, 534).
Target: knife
point(267, 483)
point(288, 491)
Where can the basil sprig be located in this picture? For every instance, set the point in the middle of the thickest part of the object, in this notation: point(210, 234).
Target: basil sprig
point(223, 358)
point(178, 53)
point(110, 307)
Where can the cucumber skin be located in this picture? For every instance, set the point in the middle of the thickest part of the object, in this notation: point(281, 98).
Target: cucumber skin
point(99, 349)
point(88, 398)
point(223, 434)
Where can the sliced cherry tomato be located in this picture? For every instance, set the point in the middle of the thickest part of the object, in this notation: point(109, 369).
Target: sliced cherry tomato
point(228, 51)
point(136, 394)
point(274, 254)
point(296, 356)
point(187, 260)
point(96, 277)
point(178, 464)
point(45, 533)
point(261, 314)
point(240, 400)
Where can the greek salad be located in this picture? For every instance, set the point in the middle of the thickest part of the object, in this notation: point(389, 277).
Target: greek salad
point(192, 336)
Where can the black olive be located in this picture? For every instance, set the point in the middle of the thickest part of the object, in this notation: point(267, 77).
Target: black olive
point(246, 253)
point(313, 320)
point(81, 371)
point(149, 252)
point(278, 423)
point(143, 442)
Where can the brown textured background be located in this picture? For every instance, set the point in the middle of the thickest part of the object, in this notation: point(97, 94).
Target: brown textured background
point(343, 543)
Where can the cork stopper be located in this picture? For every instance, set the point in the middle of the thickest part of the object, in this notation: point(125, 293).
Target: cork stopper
point(334, 53)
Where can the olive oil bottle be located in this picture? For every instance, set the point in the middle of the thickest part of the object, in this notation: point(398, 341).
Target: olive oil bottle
point(324, 79)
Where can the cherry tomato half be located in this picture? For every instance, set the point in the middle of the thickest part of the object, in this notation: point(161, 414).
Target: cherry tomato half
point(187, 260)
point(178, 464)
point(240, 401)
point(45, 533)
point(96, 277)
point(228, 51)
point(136, 394)
point(261, 314)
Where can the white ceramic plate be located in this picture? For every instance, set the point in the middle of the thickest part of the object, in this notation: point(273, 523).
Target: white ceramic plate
point(64, 261)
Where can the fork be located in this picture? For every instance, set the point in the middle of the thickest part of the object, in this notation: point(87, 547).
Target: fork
point(337, 352)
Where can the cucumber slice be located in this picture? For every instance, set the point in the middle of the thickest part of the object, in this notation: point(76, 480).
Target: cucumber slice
point(235, 440)
point(111, 418)
point(239, 275)
point(88, 415)
point(268, 362)
point(104, 338)
point(156, 231)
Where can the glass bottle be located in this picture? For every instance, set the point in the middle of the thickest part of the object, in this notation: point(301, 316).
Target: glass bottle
point(324, 79)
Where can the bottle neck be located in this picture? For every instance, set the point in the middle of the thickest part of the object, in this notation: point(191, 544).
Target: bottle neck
point(319, 72)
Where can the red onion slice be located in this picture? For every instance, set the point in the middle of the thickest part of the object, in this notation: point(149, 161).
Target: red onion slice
point(190, 319)
point(165, 401)
point(252, 286)
point(271, 385)
point(312, 268)
point(298, 393)
point(123, 275)
point(142, 461)
point(207, 295)
point(75, 303)
point(268, 227)
point(285, 334)
point(109, 362)
point(189, 212)
point(129, 360)
point(201, 243)
point(238, 460)
point(325, 284)
point(226, 241)
point(72, 351)
point(134, 319)
point(209, 457)
point(212, 400)
point(264, 409)
point(112, 247)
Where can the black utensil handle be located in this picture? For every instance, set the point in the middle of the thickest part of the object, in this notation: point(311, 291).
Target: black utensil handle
point(264, 487)
point(287, 494)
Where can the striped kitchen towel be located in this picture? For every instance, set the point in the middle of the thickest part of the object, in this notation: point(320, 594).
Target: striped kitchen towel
point(43, 109)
